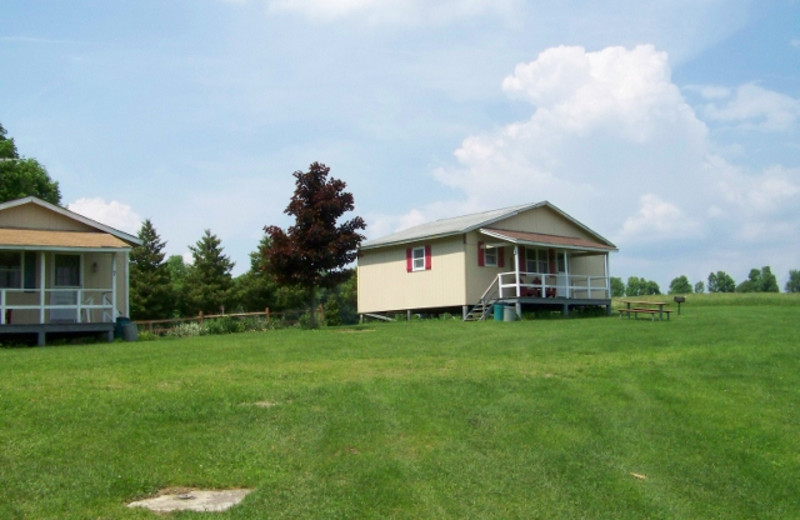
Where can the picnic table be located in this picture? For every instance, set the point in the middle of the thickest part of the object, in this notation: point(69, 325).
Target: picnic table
point(651, 308)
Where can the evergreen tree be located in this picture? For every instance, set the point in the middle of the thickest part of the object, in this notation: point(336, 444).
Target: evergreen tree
point(151, 291)
point(21, 177)
point(179, 284)
point(209, 279)
point(314, 252)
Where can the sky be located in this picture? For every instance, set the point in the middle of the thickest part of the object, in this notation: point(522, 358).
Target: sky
point(671, 128)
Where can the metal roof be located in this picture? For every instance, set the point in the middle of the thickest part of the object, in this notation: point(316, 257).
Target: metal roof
point(466, 223)
point(448, 226)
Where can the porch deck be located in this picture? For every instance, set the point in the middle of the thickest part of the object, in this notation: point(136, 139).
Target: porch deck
point(41, 331)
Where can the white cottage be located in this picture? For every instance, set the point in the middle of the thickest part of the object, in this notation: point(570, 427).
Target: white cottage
point(60, 272)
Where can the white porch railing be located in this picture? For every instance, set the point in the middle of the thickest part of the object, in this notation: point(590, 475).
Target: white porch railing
point(25, 306)
point(545, 285)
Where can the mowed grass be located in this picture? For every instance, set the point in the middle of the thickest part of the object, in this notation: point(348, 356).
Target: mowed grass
point(698, 417)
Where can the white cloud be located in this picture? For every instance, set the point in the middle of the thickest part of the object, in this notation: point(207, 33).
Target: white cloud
point(657, 219)
point(115, 214)
point(754, 107)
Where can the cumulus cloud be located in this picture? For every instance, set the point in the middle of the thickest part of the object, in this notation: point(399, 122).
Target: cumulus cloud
point(114, 213)
point(607, 126)
point(612, 141)
point(754, 107)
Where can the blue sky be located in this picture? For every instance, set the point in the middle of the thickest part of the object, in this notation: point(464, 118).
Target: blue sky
point(671, 128)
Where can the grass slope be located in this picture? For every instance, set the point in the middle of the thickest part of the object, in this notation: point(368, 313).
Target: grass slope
point(698, 417)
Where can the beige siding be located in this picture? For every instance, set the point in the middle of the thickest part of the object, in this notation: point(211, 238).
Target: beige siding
point(384, 284)
point(542, 220)
point(31, 216)
point(479, 278)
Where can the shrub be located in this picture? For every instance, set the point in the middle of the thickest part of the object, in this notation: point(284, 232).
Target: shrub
point(188, 329)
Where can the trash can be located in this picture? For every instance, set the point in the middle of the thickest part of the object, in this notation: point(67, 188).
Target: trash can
point(498, 312)
point(130, 332)
point(509, 313)
point(119, 328)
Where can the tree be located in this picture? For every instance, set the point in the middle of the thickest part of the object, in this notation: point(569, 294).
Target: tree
point(151, 291)
point(209, 278)
point(720, 282)
point(617, 287)
point(759, 281)
point(641, 287)
point(793, 284)
point(21, 177)
point(680, 285)
point(699, 287)
point(179, 285)
point(314, 251)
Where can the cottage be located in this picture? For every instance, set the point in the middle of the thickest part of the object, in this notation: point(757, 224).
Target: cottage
point(528, 256)
point(60, 272)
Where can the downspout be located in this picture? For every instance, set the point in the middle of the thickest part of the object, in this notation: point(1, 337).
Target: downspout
point(113, 286)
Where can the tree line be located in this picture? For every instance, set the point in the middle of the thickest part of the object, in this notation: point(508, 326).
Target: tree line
point(759, 280)
point(304, 266)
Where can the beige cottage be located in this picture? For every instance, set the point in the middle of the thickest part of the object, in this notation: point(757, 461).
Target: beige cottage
point(60, 272)
point(528, 256)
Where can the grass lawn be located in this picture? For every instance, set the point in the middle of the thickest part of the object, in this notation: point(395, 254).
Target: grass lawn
point(698, 417)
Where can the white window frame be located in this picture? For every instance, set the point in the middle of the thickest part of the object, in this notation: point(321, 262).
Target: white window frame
point(418, 259)
point(490, 257)
point(55, 270)
point(540, 258)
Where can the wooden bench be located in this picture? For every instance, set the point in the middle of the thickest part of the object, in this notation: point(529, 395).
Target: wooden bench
point(636, 311)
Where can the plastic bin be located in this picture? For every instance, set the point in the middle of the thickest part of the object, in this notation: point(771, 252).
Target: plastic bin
point(509, 313)
point(498, 312)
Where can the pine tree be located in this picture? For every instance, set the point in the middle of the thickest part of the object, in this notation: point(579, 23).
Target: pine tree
point(151, 291)
point(209, 279)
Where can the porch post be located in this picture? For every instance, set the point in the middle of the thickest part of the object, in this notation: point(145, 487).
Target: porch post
point(567, 277)
point(608, 279)
point(42, 283)
point(113, 287)
point(516, 268)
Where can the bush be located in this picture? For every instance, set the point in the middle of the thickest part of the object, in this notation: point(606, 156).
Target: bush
point(185, 330)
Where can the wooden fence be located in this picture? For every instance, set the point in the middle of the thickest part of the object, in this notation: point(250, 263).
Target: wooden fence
point(289, 317)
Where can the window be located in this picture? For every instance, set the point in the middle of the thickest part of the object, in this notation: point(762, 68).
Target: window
point(490, 256)
point(67, 270)
point(537, 260)
point(418, 258)
point(10, 270)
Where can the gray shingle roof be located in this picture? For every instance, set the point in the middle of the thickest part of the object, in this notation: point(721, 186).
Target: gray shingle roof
point(449, 226)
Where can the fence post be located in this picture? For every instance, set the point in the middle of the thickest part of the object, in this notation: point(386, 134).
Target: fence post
point(200, 316)
point(266, 314)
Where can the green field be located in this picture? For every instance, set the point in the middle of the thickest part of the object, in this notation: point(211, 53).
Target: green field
point(698, 417)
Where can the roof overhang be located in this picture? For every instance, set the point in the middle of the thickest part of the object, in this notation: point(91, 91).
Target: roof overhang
point(550, 241)
point(44, 240)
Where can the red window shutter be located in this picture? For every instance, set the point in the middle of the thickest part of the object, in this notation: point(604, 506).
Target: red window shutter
point(409, 260)
point(552, 260)
point(481, 259)
point(523, 264)
point(427, 257)
point(501, 257)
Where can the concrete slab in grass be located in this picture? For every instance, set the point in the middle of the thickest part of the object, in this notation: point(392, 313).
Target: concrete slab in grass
point(209, 501)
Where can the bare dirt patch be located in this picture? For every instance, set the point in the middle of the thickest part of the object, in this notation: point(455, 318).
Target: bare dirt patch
point(189, 499)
